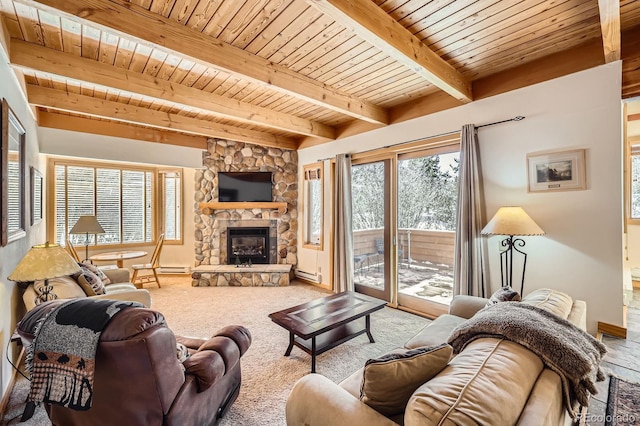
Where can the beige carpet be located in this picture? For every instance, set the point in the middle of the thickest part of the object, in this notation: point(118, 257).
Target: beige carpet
point(267, 375)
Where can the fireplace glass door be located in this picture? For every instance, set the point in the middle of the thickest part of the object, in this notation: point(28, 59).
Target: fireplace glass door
point(248, 245)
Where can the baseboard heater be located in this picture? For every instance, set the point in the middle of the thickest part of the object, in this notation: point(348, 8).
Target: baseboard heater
point(174, 270)
point(308, 276)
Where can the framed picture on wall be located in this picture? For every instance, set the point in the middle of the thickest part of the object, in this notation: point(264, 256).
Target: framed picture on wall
point(12, 159)
point(556, 171)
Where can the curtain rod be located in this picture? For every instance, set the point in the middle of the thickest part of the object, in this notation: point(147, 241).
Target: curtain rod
point(517, 118)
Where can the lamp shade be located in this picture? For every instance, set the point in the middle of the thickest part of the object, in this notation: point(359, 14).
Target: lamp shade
point(511, 221)
point(43, 262)
point(87, 224)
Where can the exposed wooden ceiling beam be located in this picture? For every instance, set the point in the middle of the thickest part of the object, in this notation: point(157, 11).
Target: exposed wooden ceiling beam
point(120, 130)
point(61, 100)
point(134, 21)
point(374, 25)
point(578, 58)
point(631, 63)
point(39, 58)
point(610, 24)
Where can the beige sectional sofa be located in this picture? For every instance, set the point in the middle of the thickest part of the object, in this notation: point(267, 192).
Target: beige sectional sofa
point(68, 288)
point(492, 381)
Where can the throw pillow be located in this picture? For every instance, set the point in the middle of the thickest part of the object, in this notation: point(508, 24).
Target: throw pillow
point(505, 294)
point(90, 282)
point(99, 272)
point(389, 381)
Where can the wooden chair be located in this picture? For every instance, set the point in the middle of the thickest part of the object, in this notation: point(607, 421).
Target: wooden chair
point(153, 266)
point(72, 251)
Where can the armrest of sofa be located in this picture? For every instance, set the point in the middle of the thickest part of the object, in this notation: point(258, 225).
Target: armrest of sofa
point(215, 356)
point(466, 306)
point(120, 275)
point(316, 400)
point(139, 295)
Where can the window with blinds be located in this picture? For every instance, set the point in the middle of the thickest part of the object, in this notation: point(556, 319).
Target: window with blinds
point(313, 200)
point(171, 215)
point(634, 188)
point(120, 198)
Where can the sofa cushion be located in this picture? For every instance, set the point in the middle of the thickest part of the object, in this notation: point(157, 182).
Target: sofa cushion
point(553, 301)
point(63, 287)
point(119, 287)
point(389, 381)
point(504, 294)
point(489, 383)
point(436, 332)
point(90, 282)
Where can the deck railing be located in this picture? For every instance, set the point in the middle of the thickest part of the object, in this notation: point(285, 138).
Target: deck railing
point(419, 245)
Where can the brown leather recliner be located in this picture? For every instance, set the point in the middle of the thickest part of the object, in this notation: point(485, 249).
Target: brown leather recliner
point(139, 380)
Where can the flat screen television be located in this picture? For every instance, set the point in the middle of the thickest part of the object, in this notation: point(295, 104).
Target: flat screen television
point(245, 186)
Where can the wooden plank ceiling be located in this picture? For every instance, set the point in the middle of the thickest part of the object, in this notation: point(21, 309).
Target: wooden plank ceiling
point(294, 73)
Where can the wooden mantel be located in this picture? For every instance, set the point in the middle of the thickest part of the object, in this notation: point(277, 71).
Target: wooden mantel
point(217, 205)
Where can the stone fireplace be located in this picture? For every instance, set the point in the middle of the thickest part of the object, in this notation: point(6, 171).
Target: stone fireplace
point(215, 228)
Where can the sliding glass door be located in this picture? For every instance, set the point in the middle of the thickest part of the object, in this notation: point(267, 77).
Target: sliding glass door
point(427, 198)
point(404, 210)
point(370, 185)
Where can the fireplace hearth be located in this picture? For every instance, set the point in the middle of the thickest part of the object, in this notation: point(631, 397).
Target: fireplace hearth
point(248, 244)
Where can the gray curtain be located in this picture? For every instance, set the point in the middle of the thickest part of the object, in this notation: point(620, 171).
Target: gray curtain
point(343, 241)
point(468, 277)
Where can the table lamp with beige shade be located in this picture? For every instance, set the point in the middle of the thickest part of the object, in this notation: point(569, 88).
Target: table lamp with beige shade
point(511, 221)
point(43, 262)
point(87, 225)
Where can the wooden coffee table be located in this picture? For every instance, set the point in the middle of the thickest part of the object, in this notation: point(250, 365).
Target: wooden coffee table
point(322, 324)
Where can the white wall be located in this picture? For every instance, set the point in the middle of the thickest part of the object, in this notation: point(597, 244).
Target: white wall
point(77, 144)
point(582, 251)
point(11, 306)
point(97, 147)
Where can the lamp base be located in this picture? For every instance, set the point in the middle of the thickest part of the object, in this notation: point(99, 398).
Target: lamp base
point(506, 261)
point(45, 293)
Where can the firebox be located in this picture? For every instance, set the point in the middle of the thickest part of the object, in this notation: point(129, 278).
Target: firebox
point(247, 244)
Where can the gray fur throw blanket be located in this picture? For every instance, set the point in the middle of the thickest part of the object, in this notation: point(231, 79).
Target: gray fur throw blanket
point(564, 348)
point(61, 358)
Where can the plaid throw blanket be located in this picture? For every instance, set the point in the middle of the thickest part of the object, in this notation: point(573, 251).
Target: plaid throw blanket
point(564, 348)
point(61, 358)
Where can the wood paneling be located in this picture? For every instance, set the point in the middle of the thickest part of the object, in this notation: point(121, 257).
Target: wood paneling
point(284, 68)
point(58, 99)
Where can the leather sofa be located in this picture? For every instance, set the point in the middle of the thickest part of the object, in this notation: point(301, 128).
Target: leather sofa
point(139, 379)
point(66, 287)
point(492, 381)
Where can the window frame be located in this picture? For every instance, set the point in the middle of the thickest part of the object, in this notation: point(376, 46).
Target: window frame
point(633, 151)
point(161, 176)
point(51, 197)
point(308, 171)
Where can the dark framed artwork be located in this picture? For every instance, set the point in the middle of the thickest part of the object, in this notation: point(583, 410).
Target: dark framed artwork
point(36, 196)
point(12, 209)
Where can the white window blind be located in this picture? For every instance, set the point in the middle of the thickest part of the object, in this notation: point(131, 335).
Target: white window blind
point(14, 206)
point(635, 183)
point(171, 205)
point(313, 204)
point(120, 198)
